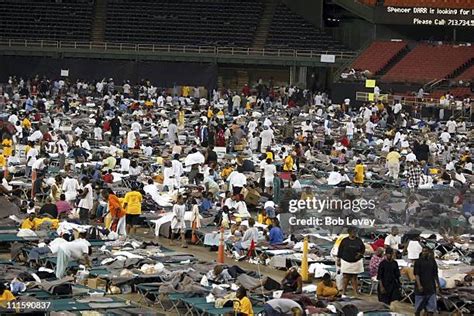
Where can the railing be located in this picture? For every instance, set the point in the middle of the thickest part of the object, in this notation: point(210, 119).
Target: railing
point(175, 49)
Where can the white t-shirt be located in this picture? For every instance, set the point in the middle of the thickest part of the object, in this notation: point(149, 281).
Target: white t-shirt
point(269, 171)
point(56, 243)
point(350, 128)
point(238, 180)
point(369, 127)
point(445, 137)
point(393, 241)
point(267, 137)
point(414, 249)
point(32, 153)
point(451, 125)
point(411, 157)
point(397, 108)
point(36, 136)
point(39, 164)
point(75, 249)
point(88, 201)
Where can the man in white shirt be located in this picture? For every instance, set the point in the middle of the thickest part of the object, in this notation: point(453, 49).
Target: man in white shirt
point(152, 190)
point(445, 137)
point(350, 130)
point(237, 181)
point(87, 201)
point(411, 157)
point(269, 171)
point(79, 249)
point(393, 240)
point(36, 136)
point(251, 234)
point(236, 100)
point(369, 130)
point(451, 126)
point(267, 138)
point(178, 169)
point(30, 159)
point(397, 108)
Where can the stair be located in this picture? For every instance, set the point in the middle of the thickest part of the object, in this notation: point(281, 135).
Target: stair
point(261, 34)
point(98, 21)
point(392, 62)
point(242, 79)
point(461, 69)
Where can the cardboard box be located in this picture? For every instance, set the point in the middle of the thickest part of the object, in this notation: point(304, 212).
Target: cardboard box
point(252, 197)
point(97, 283)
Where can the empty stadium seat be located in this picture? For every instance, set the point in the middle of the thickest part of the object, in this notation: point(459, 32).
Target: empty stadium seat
point(186, 22)
point(467, 75)
point(42, 19)
point(378, 55)
point(466, 4)
point(290, 31)
point(427, 62)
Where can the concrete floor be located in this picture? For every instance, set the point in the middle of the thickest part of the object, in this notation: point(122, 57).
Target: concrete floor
point(204, 254)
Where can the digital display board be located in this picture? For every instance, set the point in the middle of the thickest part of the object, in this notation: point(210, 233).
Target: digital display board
point(425, 16)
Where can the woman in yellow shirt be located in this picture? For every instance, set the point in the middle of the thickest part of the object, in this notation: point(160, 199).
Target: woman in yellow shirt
point(243, 306)
point(5, 295)
point(359, 173)
point(26, 123)
point(7, 144)
point(181, 118)
point(132, 203)
point(327, 289)
point(288, 163)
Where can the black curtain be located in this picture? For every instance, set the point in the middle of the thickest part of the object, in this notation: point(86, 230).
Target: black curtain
point(161, 74)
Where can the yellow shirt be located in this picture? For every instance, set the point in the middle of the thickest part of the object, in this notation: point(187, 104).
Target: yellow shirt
point(3, 161)
point(269, 155)
point(359, 174)
point(148, 103)
point(133, 200)
point(288, 165)
point(393, 156)
point(159, 160)
point(26, 123)
point(326, 291)
point(37, 222)
point(186, 91)
point(248, 106)
point(27, 224)
point(243, 306)
point(181, 118)
point(7, 296)
point(27, 149)
point(7, 147)
point(210, 114)
point(226, 172)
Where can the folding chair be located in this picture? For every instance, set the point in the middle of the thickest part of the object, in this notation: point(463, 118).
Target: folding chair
point(407, 289)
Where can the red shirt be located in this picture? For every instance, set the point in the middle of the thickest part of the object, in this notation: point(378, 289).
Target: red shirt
point(108, 178)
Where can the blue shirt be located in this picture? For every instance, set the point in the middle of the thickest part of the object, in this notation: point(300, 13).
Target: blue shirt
point(206, 205)
point(276, 236)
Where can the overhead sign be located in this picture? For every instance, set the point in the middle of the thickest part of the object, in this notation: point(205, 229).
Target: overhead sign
point(424, 16)
point(64, 72)
point(328, 58)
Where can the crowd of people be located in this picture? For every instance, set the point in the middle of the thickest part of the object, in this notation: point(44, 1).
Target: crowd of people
point(74, 141)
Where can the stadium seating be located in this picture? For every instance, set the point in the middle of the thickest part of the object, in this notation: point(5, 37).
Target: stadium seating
point(467, 4)
point(186, 22)
point(41, 19)
point(290, 31)
point(378, 55)
point(368, 2)
point(427, 62)
point(467, 75)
